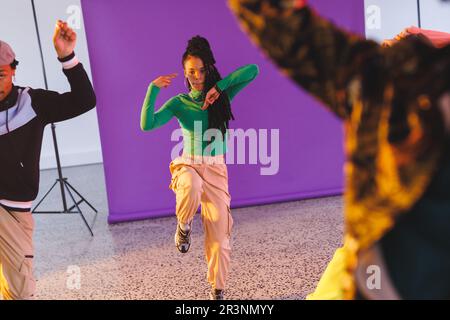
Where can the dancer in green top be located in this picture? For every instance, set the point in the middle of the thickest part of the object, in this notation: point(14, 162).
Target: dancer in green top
point(200, 176)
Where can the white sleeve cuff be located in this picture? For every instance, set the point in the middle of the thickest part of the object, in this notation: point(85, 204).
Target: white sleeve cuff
point(71, 63)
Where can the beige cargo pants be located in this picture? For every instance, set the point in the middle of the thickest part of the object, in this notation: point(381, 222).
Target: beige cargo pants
point(204, 181)
point(16, 255)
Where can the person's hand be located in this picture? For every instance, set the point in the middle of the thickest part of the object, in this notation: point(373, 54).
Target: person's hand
point(402, 35)
point(164, 81)
point(64, 39)
point(299, 4)
point(388, 43)
point(210, 98)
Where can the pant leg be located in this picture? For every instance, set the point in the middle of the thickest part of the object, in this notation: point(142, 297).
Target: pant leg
point(217, 222)
point(330, 283)
point(188, 187)
point(16, 255)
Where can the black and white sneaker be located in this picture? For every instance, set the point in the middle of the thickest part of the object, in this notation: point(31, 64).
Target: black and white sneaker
point(183, 238)
point(216, 294)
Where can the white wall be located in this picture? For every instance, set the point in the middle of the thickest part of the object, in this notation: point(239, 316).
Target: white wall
point(17, 29)
point(387, 18)
point(435, 15)
point(78, 139)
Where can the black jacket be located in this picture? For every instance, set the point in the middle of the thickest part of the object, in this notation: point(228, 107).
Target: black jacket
point(23, 117)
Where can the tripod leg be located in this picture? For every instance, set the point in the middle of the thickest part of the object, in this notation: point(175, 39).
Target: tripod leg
point(81, 196)
point(45, 195)
point(79, 210)
point(74, 206)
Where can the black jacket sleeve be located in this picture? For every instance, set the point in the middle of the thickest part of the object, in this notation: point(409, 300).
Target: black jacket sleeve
point(51, 106)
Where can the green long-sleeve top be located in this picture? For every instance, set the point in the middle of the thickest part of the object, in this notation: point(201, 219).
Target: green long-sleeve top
point(192, 119)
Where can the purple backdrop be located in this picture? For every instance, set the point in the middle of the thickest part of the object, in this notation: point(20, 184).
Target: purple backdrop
point(132, 42)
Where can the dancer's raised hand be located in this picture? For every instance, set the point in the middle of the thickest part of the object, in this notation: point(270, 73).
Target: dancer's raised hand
point(164, 81)
point(402, 35)
point(64, 39)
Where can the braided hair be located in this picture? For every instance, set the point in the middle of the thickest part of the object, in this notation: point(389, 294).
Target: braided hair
point(219, 113)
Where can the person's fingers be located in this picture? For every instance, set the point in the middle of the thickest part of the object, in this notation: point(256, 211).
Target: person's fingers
point(71, 37)
point(59, 24)
point(388, 42)
point(205, 106)
point(65, 27)
point(69, 29)
point(402, 35)
point(213, 98)
point(209, 98)
point(164, 81)
point(171, 76)
point(57, 32)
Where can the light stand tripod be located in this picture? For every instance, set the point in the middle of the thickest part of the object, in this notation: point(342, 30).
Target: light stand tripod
point(419, 22)
point(64, 184)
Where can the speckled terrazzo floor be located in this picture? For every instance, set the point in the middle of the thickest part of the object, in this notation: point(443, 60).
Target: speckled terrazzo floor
point(279, 250)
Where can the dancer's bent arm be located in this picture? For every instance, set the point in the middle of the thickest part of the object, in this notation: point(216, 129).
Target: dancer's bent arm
point(149, 118)
point(51, 106)
point(232, 84)
point(238, 80)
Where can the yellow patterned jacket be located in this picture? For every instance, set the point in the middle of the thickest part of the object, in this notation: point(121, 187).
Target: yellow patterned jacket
point(386, 97)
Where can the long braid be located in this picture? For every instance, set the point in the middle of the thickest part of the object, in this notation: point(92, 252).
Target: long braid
point(219, 113)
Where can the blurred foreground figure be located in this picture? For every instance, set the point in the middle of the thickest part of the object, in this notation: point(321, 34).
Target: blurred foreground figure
point(394, 101)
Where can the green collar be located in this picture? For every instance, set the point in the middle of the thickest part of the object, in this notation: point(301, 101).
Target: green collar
point(196, 95)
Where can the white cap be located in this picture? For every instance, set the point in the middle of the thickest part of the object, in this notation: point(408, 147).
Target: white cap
point(7, 55)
